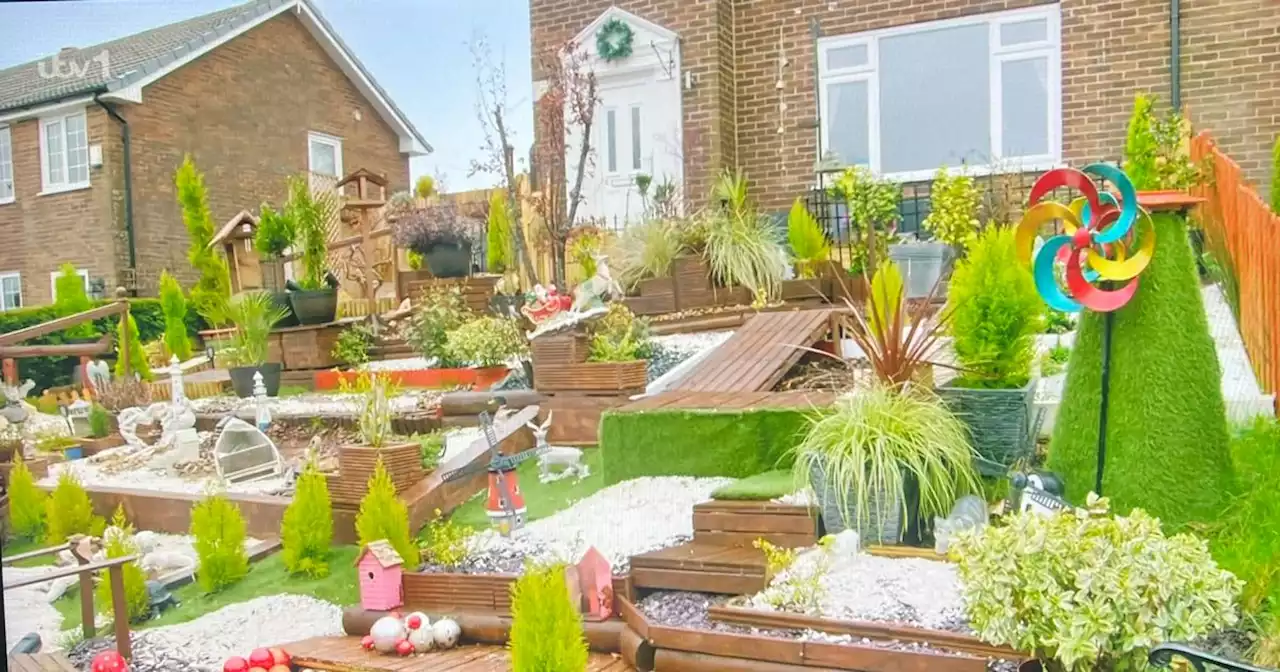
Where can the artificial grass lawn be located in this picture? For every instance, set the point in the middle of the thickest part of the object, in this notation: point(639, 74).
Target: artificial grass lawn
point(267, 577)
point(1246, 539)
point(761, 487)
point(736, 444)
point(1167, 430)
point(542, 499)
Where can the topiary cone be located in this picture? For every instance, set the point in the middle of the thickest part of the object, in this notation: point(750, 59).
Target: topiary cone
point(1166, 424)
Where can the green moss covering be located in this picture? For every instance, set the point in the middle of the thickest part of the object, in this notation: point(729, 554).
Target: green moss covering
point(759, 488)
point(1167, 430)
point(736, 444)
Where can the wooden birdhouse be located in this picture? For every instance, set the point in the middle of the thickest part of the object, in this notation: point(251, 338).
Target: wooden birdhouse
point(381, 570)
point(595, 575)
point(235, 239)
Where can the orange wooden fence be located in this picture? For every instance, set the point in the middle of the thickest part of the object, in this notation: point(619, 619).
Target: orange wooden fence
point(1244, 235)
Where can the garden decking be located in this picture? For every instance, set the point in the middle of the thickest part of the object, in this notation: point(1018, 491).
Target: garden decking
point(343, 654)
point(39, 662)
point(726, 401)
point(758, 355)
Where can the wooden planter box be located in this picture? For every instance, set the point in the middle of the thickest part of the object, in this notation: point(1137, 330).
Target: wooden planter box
point(560, 348)
point(94, 446)
point(305, 347)
point(477, 379)
point(651, 305)
point(656, 287)
point(612, 377)
point(808, 288)
point(478, 290)
point(356, 465)
point(449, 593)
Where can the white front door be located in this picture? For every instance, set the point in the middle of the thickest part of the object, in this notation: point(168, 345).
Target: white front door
point(637, 132)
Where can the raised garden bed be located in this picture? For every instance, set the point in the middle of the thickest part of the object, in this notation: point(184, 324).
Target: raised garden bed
point(606, 377)
point(356, 465)
point(449, 592)
point(478, 379)
point(741, 523)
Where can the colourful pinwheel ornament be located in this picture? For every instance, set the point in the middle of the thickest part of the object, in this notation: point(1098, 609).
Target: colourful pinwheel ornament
point(1106, 239)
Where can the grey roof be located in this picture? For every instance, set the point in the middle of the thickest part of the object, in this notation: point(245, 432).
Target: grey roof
point(135, 57)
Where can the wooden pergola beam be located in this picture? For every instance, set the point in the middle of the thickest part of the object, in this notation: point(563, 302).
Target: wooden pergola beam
point(64, 350)
point(38, 330)
point(343, 243)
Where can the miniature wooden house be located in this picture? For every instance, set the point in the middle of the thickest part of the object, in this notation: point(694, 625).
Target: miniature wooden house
point(595, 576)
point(235, 239)
point(380, 569)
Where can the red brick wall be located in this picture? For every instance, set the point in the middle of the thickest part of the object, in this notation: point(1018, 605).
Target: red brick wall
point(1112, 49)
point(243, 111)
point(40, 233)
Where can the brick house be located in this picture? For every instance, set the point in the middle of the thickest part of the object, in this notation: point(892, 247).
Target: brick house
point(770, 86)
point(90, 139)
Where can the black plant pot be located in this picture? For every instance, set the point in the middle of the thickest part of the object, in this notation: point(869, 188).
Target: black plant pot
point(314, 307)
point(281, 300)
point(449, 260)
point(242, 379)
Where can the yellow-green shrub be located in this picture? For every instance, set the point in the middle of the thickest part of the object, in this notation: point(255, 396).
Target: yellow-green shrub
point(26, 502)
point(219, 534)
point(118, 543)
point(383, 515)
point(307, 528)
point(68, 511)
point(808, 242)
point(546, 628)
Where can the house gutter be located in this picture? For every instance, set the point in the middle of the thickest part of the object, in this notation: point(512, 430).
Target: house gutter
point(128, 179)
point(1175, 54)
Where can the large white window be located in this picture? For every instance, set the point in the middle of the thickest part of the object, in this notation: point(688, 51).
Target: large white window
point(6, 165)
point(10, 291)
point(53, 281)
point(983, 90)
point(64, 152)
point(324, 154)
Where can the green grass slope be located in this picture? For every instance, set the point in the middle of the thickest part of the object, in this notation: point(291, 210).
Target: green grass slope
point(1167, 431)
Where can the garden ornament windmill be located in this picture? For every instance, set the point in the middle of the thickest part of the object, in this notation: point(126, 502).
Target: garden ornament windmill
point(1107, 241)
point(505, 506)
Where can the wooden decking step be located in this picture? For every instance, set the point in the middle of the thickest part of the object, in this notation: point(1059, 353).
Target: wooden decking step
point(40, 662)
point(737, 523)
point(700, 567)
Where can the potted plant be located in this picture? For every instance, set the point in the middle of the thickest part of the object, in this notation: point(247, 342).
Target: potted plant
point(995, 313)
point(255, 315)
point(437, 232)
point(883, 458)
point(275, 235)
point(54, 444)
point(953, 223)
point(872, 206)
point(742, 246)
point(487, 344)
point(442, 310)
point(315, 296)
point(100, 435)
point(1088, 591)
point(401, 457)
point(810, 251)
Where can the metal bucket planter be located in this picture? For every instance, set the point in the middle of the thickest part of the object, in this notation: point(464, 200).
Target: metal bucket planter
point(921, 265)
point(242, 379)
point(315, 307)
point(999, 422)
point(881, 525)
point(449, 260)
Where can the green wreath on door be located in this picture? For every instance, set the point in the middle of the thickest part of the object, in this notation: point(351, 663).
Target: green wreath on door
point(613, 41)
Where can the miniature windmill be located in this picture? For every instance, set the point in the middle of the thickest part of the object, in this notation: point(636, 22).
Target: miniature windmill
point(505, 506)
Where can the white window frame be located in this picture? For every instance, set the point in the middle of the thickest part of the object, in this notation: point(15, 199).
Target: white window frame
point(335, 142)
point(604, 141)
point(53, 281)
point(5, 276)
point(6, 166)
point(48, 186)
point(1050, 48)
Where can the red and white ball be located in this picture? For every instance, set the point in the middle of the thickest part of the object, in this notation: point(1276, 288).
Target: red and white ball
point(416, 620)
point(387, 632)
point(446, 633)
point(109, 661)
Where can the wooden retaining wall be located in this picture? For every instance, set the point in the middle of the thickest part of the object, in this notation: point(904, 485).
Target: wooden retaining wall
point(732, 523)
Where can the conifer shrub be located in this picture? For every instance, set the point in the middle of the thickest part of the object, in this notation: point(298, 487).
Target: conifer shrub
point(307, 529)
point(117, 543)
point(71, 299)
point(219, 534)
point(68, 511)
point(174, 305)
point(500, 245)
point(136, 355)
point(383, 515)
point(213, 290)
point(26, 502)
point(99, 422)
point(546, 628)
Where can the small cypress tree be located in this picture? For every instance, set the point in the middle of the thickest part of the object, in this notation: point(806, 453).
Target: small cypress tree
point(384, 516)
point(118, 543)
point(501, 251)
point(99, 422)
point(68, 511)
point(307, 528)
point(26, 502)
point(136, 356)
point(219, 534)
point(1140, 146)
point(213, 289)
point(425, 187)
point(174, 306)
point(72, 299)
point(1275, 177)
point(546, 630)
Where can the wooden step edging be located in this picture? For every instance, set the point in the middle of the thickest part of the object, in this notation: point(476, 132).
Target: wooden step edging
point(477, 593)
point(690, 650)
point(741, 523)
point(777, 620)
point(485, 628)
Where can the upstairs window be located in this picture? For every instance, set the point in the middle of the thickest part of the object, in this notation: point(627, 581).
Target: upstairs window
point(10, 291)
point(64, 152)
point(982, 90)
point(6, 166)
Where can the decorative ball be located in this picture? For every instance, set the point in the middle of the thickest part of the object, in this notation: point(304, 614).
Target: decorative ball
point(386, 632)
point(109, 661)
point(281, 657)
point(366, 643)
point(235, 664)
point(403, 647)
point(417, 620)
point(446, 633)
point(422, 639)
point(261, 658)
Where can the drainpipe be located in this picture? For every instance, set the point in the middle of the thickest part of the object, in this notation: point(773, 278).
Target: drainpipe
point(128, 180)
point(1175, 55)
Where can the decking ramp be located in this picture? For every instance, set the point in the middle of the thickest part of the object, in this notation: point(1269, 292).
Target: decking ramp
point(759, 354)
point(39, 662)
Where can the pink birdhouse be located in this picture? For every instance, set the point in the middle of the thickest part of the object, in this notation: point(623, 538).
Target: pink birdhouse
point(380, 569)
point(595, 575)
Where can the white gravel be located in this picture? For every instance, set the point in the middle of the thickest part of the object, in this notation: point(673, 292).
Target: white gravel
point(154, 479)
point(314, 404)
point(237, 629)
point(29, 609)
point(404, 364)
point(622, 520)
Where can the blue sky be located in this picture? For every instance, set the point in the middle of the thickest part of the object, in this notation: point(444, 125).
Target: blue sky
point(416, 49)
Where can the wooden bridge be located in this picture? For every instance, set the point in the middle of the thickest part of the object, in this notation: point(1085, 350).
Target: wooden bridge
point(758, 355)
